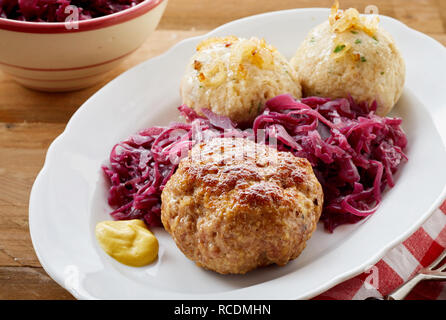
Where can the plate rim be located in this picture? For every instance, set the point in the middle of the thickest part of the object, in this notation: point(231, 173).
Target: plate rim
point(40, 178)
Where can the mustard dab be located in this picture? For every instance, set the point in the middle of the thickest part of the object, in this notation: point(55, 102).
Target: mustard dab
point(129, 242)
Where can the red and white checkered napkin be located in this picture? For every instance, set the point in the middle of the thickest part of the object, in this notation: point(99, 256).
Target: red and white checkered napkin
point(399, 265)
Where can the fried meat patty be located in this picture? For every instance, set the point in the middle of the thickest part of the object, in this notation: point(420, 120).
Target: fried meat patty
point(234, 205)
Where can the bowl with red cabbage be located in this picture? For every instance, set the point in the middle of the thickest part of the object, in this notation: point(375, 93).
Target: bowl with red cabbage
point(66, 45)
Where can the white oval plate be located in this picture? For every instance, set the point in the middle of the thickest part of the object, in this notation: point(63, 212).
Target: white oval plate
point(69, 195)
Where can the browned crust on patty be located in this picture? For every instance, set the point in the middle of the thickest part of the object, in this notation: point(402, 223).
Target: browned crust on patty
point(234, 205)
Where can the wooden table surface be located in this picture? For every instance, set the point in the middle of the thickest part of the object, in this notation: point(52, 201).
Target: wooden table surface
point(29, 120)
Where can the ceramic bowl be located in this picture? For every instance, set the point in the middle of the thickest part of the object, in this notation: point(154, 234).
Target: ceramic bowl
point(66, 56)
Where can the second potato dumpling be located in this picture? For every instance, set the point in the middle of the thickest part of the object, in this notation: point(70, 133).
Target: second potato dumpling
point(234, 77)
point(351, 55)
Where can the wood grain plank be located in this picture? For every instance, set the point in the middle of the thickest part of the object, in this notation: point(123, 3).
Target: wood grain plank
point(422, 15)
point(29, 283)
point(17, 172)
point(15, 241)
point(208, 14)
point(181, 18)
point(440, 37)
point(27, 135)
point(441, 7)
point(23, 147)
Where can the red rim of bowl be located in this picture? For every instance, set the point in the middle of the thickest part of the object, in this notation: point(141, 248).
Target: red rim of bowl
point(84, 25)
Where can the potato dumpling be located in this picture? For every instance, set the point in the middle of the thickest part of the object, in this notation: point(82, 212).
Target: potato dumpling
point(234, 77)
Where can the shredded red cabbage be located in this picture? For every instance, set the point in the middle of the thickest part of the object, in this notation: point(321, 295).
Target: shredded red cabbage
point(354, 154)
point(54, 10)
point(141, 166)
